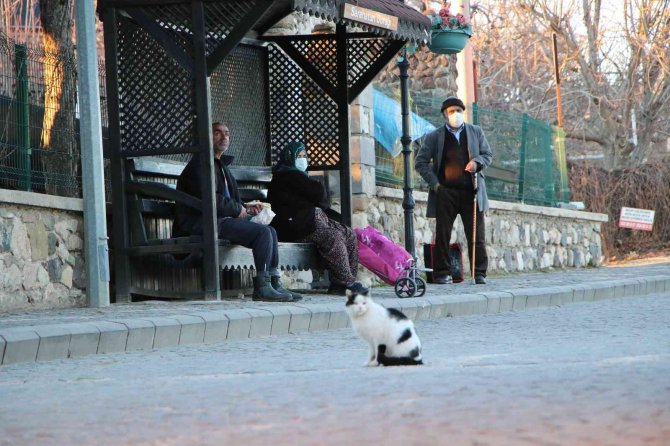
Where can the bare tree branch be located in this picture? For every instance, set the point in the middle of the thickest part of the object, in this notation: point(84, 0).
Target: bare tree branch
point(612, 66)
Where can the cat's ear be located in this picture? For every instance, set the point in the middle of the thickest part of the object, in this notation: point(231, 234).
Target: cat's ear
point(350, 298)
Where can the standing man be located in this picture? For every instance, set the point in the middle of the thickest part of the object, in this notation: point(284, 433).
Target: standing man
point(447, 160)
point(232, 217)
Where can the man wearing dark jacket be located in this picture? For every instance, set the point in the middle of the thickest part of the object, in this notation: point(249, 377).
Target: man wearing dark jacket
point(232, 218)
point(446, 161)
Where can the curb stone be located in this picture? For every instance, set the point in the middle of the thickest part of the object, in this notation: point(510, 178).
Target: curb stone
point(497, 301)
point(300, 319)
point(21, 345)
point(113, 336)
point(192, 329)
point(68, 340)
point(321, 313)
point(54, 342)
point(141, 334)
point(281, 320)
point(84, 339)
point(261, 322)
point(239, 324)
point(216, 325)
point(167, 331)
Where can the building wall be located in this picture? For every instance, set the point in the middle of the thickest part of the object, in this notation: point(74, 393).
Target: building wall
point(42, 262)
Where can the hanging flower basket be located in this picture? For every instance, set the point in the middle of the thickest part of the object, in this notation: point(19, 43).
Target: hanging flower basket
point(450, 41)
point(449, 32)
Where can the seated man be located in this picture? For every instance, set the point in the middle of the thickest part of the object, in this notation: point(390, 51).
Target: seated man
point(232, 219)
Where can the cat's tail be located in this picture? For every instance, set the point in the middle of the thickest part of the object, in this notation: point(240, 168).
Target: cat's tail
point(413, 359)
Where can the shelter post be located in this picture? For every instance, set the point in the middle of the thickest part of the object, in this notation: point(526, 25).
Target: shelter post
point(406, 140)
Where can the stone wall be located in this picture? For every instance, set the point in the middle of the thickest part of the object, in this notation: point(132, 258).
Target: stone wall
point(41, 251)
point(430, 76)
point(41, 242)
point(519, 237)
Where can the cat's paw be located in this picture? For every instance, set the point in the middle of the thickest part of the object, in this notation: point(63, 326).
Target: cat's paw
point(372, 363)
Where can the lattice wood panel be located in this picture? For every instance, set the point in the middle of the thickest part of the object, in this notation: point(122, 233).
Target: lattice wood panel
point(300, 111)
point(222, 18)
point(239, 99)
point(175, 20)
point(156, 94)
point(361, 53)
point(322, 54)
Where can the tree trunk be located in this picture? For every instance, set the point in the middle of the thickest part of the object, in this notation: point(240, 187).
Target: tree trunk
point(59, 159)
point(645, 142)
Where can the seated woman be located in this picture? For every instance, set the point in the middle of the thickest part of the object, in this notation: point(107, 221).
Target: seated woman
point(299, 203)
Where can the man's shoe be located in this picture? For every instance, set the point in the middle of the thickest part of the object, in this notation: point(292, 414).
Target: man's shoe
point(275, 281)
point(264, 292)
point(480, 280)
point(441, 280)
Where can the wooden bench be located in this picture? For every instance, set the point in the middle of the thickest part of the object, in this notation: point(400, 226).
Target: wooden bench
point(169, 267)
point(502, 174)
point(508, 188)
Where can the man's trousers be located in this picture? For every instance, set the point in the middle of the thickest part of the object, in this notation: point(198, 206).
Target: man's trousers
point(450, 203)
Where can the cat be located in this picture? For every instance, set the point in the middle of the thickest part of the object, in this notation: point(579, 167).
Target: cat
point(390, 334)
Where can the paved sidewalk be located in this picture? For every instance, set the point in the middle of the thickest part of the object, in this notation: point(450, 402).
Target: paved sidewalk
point(39, 335)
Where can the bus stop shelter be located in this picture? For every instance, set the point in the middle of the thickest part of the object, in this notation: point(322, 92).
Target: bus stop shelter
point(175, 66)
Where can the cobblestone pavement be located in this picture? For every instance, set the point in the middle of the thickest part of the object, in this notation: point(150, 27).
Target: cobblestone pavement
point(157, 308)
point(580, 374)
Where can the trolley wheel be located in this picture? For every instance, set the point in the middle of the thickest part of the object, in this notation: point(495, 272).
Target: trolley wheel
point(420, 287)
point(405, 287)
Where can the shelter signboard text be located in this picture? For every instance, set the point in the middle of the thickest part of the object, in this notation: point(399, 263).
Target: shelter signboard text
point(370, 17)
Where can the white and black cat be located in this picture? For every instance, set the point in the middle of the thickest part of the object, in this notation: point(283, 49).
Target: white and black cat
point(390, 334)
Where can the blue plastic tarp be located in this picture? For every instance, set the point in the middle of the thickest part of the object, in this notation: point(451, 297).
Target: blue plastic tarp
point(388, 123)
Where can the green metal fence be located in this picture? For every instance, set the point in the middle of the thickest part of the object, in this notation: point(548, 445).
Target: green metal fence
point(529, 155)
point(527, 168)
point(32, 159)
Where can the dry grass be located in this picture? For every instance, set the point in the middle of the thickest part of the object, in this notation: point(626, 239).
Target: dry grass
point(645, 187)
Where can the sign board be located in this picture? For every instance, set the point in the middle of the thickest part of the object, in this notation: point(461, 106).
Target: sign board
point(370, 17)
point(633, 218)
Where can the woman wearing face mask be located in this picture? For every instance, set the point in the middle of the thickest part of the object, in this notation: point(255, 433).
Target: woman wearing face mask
point(299, 203)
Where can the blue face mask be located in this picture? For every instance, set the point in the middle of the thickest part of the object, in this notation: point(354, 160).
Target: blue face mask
point(301, 164)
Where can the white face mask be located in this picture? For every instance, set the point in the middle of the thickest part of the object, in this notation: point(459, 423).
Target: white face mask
point(456, 119)
point(301, 164)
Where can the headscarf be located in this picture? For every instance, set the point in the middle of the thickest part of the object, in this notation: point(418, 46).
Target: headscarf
point(288, 156)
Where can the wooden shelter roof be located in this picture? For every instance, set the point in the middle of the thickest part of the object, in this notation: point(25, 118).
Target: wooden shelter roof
point(411, 24)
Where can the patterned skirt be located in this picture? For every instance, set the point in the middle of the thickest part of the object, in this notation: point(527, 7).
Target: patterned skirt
point(338, 246)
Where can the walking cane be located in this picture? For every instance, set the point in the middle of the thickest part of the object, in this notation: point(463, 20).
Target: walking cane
point(474, 226)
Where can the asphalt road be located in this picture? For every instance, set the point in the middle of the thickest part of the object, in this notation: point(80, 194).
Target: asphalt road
point(582, 374)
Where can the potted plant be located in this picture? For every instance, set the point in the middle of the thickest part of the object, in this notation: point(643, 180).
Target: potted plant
point(449, 32)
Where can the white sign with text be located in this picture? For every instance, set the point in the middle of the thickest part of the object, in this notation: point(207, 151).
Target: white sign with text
point(633, 218)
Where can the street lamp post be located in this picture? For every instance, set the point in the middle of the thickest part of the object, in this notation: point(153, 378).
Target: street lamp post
point(406, 140)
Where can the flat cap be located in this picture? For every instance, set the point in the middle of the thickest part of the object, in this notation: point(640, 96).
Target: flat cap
point(452, 101)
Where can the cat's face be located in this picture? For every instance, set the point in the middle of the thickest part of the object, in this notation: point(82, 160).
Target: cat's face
point(357, 304)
